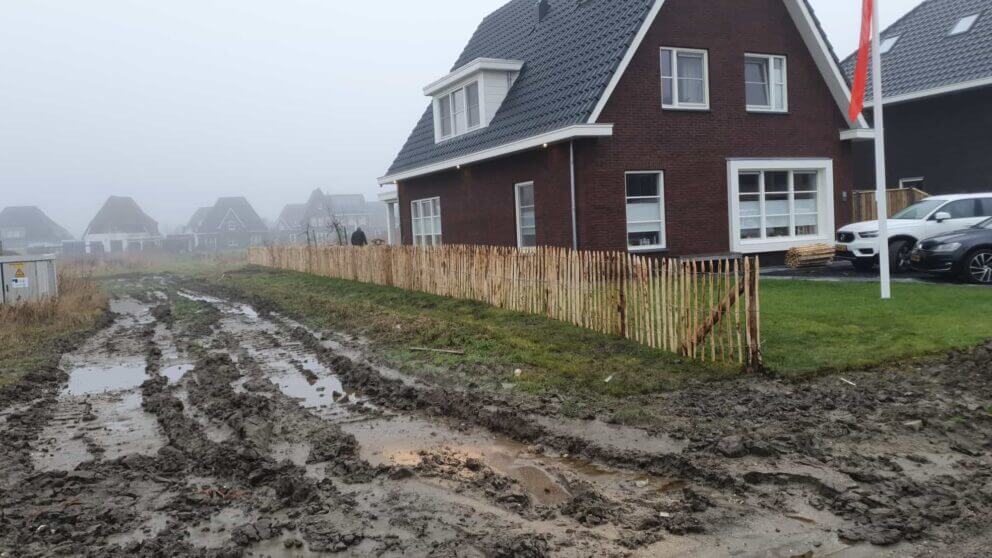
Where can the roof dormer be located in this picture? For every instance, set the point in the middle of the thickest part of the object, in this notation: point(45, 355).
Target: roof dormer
point(468, 98)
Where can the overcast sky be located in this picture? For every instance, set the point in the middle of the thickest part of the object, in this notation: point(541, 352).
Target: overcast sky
point(177, 102)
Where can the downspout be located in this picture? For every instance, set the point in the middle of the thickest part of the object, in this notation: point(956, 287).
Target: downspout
point(575, 225)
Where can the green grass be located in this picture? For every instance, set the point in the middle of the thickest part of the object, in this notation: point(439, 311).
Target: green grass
point(819, 326)
point(552, 356)
point(808, 328)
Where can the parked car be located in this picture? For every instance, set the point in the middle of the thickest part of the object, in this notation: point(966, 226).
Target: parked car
point(966, 253)
point(859, 242)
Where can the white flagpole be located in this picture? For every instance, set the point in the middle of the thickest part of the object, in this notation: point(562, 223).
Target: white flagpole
point(881, 193)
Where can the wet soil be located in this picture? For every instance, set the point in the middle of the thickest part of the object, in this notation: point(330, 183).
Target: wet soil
point(248, 434)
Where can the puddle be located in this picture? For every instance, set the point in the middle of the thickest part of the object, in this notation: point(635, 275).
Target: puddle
point(88, 380)
point(177, 372)
point(243, 309)
point(623, 438)
point(216, 531)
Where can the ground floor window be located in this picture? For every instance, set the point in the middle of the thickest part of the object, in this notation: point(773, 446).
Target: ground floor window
point(779, 204)
point(426, 220)
point(645, 210)
point(526, 215)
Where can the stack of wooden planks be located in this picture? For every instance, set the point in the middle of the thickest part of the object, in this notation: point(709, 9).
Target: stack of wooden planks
point(815, 255)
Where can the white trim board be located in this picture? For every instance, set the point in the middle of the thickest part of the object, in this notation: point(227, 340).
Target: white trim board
point(469, 70)
point(934, 92)
point(533, 142)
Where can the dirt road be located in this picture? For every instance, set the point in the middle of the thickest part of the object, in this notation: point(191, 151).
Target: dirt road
point(248, 435)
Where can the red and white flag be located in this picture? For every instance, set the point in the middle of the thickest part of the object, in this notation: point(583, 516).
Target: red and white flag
point(861, 70)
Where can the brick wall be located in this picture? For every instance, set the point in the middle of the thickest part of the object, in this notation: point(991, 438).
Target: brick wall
point(692, 148)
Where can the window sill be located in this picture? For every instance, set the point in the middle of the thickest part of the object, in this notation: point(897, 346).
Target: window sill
point(753, 110)
point(685, 109)
point(646, 249)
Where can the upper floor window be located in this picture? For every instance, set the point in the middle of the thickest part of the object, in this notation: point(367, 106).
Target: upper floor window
point(426, 221)
point(765, 83)
point(964, 24)
point(232, 226)
point(685, 79)
point(459, 111)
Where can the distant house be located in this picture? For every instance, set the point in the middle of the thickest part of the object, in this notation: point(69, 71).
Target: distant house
point(677, 127)
point(27, 230)
point(937, 91)
point(121, 226)
point(331, 219)
point(230, 224)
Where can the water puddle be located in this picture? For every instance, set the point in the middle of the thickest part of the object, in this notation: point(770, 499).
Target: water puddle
point(120, 376)
point(623, 438)
point(177, 372)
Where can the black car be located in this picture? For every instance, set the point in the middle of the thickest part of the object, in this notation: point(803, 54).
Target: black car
point(966, 253)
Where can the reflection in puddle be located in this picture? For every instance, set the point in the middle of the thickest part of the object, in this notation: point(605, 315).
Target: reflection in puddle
point(177, 372)
point(90, 380)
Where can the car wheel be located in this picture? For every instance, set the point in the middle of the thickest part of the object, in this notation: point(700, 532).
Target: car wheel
point(863, 264)
point(899, 252)
point(978, 266)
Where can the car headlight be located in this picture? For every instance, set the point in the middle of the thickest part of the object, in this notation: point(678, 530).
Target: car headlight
point(869, 234)
point(947, 247)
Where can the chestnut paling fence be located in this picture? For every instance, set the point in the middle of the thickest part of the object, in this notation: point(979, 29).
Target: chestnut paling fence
point(705, 310)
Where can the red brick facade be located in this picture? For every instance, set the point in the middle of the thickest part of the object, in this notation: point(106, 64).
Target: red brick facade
point(692, 148)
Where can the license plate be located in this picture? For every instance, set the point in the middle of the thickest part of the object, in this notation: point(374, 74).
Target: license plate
point(916, 258)
point(842, 248)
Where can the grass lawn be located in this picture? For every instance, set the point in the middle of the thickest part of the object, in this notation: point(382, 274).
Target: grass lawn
point(814, 326)
point(808, 327)
point(34, 335)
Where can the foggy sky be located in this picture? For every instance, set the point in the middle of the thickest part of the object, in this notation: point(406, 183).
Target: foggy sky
point(178, 102)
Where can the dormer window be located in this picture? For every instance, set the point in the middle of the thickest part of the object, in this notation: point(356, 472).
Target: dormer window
point(459, 104)
point(459, 111)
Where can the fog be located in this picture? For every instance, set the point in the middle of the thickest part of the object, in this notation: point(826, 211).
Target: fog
point(179, 102)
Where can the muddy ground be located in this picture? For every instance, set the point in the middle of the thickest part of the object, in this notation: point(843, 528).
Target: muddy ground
point(242, 433)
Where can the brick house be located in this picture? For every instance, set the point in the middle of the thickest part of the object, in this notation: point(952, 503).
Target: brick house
point(122, 226)
point(681, 127)
point(937, 92)
point(27, 230)
point(230, 224)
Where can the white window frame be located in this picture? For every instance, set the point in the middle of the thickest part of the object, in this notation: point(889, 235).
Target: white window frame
point(435, 235)
point(825, 201)
point(904, 182)
point(770, 60)
point(675, 104)
point(663, 237)
point(458, 107)
point(519, 212)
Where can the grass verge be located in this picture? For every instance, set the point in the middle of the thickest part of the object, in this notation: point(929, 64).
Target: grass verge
point(812, 326)
point(551, 355)
point(34, 335)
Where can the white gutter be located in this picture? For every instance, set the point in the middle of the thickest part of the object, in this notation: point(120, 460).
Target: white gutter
point(534, 142)
point(957, 87)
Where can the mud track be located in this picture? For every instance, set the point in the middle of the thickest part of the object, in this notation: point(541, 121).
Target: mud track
point(246, 434)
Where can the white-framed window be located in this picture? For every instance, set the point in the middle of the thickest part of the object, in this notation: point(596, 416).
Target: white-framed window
point(458, 111)
point(526, 215)
point(766, 83)
point(426, 221)
point(915, 182)
point(292, 238)
point(645, 210)
point(888, 44)
point(685, 79)
point(232, 226)
point(777, 204)
point(964, 24)
point(10, 234)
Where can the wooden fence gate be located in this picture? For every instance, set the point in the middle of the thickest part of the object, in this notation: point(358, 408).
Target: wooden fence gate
point(865, 208)
point(705, 310)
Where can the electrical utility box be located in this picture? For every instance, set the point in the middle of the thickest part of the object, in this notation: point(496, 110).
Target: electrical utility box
point(27, 278)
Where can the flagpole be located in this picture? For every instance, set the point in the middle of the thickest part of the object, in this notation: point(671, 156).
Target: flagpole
point(881, 190)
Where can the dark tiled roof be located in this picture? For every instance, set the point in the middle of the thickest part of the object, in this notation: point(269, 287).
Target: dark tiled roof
point(243, 210)
point(197, 218)
point(926, 57)
point(569, 58)
point(37, 226)
point(292, 216)
point(122, 215)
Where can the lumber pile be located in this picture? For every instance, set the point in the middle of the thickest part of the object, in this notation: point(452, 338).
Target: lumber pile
point(815, 255)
